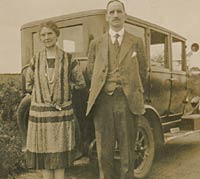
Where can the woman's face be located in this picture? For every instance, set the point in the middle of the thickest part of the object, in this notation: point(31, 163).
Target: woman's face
point(48, 37)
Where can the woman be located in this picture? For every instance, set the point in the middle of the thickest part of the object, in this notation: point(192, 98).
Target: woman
point(51, 127)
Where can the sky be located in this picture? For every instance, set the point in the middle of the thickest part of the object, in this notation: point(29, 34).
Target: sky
point(181, 16)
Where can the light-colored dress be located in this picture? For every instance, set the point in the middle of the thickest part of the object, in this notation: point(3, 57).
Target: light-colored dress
point(51, 127)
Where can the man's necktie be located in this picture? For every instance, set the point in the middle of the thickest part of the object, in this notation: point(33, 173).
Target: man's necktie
point(116, 43)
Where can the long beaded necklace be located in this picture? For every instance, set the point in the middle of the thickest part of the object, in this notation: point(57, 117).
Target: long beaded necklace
point(49, 71)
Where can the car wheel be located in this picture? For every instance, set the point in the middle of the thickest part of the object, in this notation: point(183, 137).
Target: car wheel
point(144, 149)
point(92, 151)
point(22, 117)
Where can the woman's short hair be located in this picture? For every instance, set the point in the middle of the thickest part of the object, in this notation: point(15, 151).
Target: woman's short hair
point(51, 25)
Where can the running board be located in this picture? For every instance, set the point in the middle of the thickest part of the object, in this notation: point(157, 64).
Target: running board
point(172, 136)
point(189, 124)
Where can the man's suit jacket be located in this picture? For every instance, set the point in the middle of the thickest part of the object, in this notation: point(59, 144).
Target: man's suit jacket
point(132, 68)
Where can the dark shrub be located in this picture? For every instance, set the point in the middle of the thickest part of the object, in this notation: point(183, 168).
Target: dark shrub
point(9, 99)
point(11, 157)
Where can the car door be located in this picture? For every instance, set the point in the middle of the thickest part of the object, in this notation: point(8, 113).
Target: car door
point(160, 86)
point(178, 78)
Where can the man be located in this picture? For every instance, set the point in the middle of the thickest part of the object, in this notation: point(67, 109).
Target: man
point(116, 93)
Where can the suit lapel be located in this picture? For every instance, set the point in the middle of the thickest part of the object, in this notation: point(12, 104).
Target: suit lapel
point(104, 48)
point(125, 46)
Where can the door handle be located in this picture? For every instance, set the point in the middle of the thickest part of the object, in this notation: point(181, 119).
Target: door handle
point(172, 79)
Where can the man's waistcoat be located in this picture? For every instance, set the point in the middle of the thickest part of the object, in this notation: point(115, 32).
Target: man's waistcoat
point(131, 60)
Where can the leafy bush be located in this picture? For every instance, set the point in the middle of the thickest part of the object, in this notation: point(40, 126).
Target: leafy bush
point(11, 157)
point(9, 99)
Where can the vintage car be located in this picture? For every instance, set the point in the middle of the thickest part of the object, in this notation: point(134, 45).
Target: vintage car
point(168, 89)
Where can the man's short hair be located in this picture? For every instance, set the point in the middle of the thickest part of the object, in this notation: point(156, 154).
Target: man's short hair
point(111, 1)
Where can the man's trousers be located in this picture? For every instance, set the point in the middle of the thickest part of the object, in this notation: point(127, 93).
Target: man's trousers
point(114, 122)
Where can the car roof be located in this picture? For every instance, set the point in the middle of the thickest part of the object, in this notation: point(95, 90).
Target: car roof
point(94, 13)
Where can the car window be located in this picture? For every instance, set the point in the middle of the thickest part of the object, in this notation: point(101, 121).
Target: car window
point(177, 55)
point(158, 49)
point(136, 30)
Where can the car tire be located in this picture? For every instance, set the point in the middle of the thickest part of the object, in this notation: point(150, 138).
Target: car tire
point(92, 150)
point(22, 117)
point(144, 149)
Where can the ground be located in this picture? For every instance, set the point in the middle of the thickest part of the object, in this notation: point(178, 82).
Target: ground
point(179, 160)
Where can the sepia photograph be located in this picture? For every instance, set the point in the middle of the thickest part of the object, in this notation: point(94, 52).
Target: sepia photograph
point(102, 89)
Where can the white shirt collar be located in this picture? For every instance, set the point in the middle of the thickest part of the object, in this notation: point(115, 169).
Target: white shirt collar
point(112, 34)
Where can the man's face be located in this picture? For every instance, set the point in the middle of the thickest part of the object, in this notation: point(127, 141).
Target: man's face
point(115, 15)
